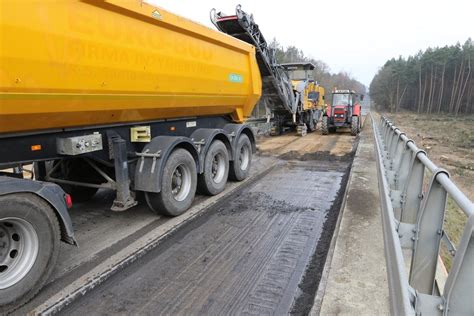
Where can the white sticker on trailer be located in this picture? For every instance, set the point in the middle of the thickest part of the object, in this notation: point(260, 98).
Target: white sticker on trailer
point(191, 124)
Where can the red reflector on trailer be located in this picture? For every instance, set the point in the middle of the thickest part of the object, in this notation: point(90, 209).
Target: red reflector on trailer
point(68, 200)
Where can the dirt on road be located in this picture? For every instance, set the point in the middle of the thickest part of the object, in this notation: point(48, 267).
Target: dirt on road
point(337, 144)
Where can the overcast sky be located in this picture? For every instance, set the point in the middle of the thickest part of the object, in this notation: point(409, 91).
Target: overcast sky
point(356, 36)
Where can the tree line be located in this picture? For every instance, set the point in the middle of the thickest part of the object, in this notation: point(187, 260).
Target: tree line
point(322, 73)
point(437, 80)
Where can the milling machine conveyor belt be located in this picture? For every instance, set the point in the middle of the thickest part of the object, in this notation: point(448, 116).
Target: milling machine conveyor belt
point(277, 91)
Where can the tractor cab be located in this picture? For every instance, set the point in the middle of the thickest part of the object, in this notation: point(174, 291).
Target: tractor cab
point(343, 102)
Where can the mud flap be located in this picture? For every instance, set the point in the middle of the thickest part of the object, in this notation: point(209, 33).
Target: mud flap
point(234, 131)
point(151, 161)
point(202, 139)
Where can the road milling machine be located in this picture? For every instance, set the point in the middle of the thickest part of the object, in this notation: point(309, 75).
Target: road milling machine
point(309, 95)
point(291, 98)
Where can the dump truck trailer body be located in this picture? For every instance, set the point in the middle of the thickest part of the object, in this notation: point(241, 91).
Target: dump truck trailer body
point(116, 95)
point(83, 63)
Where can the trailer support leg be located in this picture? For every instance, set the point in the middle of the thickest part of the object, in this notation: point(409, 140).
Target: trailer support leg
point(123, 200)
point(40, 170)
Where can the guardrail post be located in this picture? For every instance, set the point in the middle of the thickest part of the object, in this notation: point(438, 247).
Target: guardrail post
point(429, 230)
point(393, 145)
point(391, 138)
point(412, 192)
point(459, 287)
point(404, 166)
point(386, 134)
point(399, 150)
point(396, 156)
point(397, 177)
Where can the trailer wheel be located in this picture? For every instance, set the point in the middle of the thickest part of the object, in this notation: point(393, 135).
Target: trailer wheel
point(240, 167)
point(354, 125)
point(324, 125)
point(178, 185)
point(216, 169)
point(29, 233)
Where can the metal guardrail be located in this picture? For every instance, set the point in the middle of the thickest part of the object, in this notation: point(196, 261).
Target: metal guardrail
point(413, 219)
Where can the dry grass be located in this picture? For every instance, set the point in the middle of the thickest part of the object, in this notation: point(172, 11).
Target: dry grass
point(454, 222)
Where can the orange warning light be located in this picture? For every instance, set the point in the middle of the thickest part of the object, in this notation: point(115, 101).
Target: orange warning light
point(35, 147)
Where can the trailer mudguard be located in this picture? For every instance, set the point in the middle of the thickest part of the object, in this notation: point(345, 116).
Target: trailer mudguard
point(151, 162)
point(51, 193)
point(203, 138)
point(234, 131)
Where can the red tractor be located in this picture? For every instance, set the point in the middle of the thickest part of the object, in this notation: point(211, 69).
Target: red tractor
point(345, 111)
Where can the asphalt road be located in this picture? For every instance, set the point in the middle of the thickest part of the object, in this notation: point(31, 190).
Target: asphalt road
point(256, 252)
point(107, 239)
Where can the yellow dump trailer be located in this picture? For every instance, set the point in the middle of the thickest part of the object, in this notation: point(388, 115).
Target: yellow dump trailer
point(81, 63)
point(117, 95)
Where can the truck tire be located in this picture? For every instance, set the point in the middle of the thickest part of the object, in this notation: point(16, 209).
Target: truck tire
point(178, 185)
point(216, 169)
point(324, 125)
point(30, 234)
point(354, 125)
point(240, 167)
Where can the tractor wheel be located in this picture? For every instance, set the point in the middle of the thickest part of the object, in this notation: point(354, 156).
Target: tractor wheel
point(355, 127)
point(324, 125)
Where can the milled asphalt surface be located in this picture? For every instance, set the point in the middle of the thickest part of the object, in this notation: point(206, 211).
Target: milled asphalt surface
point(107, 239)
point(249, 254)
point(102, 234)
